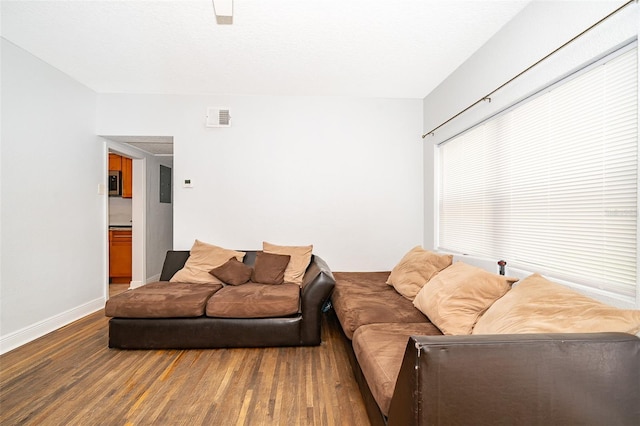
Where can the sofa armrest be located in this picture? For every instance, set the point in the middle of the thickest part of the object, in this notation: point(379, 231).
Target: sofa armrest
point(317, 286)
point(528, 379)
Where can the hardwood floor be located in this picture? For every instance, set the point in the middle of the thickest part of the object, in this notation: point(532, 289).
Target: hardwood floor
point(70, 377)
point(115, 288)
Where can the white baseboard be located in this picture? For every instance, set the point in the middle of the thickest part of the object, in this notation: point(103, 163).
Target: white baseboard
point(27, 334)
point(135, 284)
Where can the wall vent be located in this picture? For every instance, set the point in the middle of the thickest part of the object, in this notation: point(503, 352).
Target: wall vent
point(218, 117)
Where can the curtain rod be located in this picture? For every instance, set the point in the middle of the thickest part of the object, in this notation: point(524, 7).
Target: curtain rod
point(487, 98)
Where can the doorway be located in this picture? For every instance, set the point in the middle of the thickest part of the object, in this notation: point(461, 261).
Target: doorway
point(151, 203)
point(125, 220)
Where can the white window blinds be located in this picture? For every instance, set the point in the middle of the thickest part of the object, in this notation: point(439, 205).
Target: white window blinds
point(551, 185)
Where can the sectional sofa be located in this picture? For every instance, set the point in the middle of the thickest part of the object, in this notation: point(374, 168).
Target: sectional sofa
point(437, 340)
point(452, 343)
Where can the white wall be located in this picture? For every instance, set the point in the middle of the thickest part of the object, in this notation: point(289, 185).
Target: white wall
point(343, 174)
point(159, 219)
point(539, 29)
point(53, 246)
point(120, 211)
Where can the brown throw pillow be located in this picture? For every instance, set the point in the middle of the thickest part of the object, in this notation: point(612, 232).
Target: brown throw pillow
point(233, 272)
point(269, 268)
point(204, 257)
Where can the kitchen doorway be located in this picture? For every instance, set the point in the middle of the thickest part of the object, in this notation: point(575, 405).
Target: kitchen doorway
point(120, 219)
point(151, 203)
point(126, 218)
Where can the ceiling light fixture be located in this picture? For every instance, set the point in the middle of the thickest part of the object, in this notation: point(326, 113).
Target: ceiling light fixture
point(224, 11)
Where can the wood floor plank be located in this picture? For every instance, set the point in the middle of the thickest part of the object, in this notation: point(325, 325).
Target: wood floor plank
point(71, 377)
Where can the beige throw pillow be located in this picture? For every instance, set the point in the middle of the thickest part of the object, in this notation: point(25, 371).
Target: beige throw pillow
point(415, 269)
point(537, 305)
point(457, 296)
point(203, 258)
point(300, 259)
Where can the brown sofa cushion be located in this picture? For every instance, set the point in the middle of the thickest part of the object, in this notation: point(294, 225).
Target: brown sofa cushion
point(233, 272)
point(254, 300)
point(379, 349)
point(361, 298)
point(269, 268)
point(162, 300)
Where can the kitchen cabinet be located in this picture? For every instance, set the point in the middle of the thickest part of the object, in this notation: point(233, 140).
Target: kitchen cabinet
point(115, 162)
point(127, 177)
point(119, 256)
point(125, 166)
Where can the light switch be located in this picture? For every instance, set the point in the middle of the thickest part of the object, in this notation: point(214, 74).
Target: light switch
point(102, 189)
point(188, 183)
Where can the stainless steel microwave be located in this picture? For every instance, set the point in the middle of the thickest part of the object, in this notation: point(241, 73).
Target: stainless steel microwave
point(115, 183)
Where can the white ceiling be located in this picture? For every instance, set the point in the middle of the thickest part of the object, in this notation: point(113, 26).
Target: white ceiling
point(371, 48)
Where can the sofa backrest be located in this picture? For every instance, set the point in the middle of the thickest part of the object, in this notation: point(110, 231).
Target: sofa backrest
point(175, 260)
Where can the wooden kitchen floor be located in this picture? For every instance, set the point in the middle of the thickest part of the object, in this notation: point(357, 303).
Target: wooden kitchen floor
point(70, 377)
point(117, 288)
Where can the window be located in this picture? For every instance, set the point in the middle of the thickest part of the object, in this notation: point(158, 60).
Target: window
point(551, 184)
